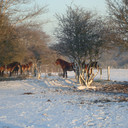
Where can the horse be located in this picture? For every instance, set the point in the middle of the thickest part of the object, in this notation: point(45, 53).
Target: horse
point(29, 65)
point(93, 64)
point(66, 66)
point(13, 67)
point(23, 68)
point(89, 67)
point(16, 69)
point(26, 67)
point(2, 69)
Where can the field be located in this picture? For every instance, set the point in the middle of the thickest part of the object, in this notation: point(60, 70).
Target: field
point(54, 102)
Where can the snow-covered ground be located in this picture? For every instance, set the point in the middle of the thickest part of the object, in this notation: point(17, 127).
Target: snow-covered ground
point(115, 74)
point(54, 102)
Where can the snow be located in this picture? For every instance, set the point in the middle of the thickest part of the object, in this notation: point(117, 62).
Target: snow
point(55, 102)
point(115, 74)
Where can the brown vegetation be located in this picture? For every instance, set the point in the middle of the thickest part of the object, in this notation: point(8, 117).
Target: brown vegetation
point(110, 87)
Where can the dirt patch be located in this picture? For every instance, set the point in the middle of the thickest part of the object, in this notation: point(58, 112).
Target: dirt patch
point(115, 99)
point(115, 87)
point(28, 93)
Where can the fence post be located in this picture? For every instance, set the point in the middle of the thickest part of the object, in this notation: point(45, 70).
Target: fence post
point(46, 71)
point(108, 72)
point(100, 73)
point(39, 72)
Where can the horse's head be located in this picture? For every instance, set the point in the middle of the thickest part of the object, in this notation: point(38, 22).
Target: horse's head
point(72, 65)
point(57, 61)
point(30, 64)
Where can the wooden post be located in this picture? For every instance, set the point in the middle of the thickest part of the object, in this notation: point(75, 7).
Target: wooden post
point(46, 71)
point(39, 72)
point(108, 72)
point(100, 73)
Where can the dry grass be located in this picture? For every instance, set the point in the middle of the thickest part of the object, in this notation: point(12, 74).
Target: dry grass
point(109, 86)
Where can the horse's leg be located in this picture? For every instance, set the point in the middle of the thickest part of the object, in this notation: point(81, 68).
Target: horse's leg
point(21, 71)
point(17, 72)
point(27, 72)
point(66, 74)
point(2, 73)
point(63, 73)
point(10, 73)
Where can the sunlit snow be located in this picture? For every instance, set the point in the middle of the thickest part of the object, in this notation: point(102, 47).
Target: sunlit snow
point(55, 102)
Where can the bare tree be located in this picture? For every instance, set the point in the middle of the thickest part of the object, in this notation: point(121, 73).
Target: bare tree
point(21, 11)
point(37, 45)
point(13, 14)
point(79, 36)
point(118, 12)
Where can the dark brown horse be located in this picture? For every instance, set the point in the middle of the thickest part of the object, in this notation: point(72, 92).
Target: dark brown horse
point(66, 66)
point(13, 67)
point(93, 64)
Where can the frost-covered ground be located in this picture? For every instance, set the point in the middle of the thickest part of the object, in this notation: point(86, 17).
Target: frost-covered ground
point(115, 74)
point(54, 102)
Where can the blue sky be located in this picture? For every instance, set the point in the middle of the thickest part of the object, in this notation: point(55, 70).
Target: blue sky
point(60, 6)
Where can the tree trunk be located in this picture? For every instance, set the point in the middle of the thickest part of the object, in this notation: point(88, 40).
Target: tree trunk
point(88, 79)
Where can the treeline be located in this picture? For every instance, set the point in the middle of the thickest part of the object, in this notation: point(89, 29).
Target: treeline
point(82, 36)
point(22, 38)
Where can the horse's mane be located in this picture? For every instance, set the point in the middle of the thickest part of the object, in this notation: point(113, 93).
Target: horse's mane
point(62, 60)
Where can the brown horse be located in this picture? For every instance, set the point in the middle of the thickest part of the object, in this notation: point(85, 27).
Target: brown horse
point(26, 67)
point(2, 69)
point(66, 66)
point(89, 66)
point(93, 64)
point(13, 67)
point(29, 65)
